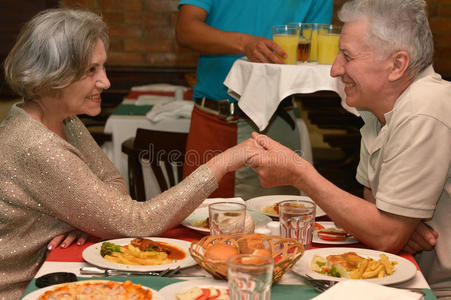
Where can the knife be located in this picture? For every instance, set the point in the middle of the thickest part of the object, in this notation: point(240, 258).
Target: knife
point(110, 272)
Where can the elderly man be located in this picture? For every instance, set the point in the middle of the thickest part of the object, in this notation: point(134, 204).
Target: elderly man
point(385, 59)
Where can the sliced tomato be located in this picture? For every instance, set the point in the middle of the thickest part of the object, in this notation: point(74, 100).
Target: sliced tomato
point(332, 236)
point(205, 294)
point(318, 227)
point(218, 293)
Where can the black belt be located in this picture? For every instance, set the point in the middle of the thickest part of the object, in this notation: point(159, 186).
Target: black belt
point(227, 110)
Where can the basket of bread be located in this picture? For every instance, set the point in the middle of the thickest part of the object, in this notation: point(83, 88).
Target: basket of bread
point(212, 252)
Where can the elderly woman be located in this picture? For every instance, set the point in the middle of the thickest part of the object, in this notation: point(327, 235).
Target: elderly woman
point(53, 176)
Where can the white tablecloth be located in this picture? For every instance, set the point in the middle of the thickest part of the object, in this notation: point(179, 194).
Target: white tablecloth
point(259, 87)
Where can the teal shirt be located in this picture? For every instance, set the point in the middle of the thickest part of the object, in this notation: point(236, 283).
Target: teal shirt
point(254, 17)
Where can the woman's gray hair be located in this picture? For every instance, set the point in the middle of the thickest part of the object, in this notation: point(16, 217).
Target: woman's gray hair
point(53, 50)
point(395, 25)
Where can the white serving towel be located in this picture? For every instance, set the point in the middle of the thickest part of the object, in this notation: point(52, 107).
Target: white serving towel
point(359, 289)
point(153, 100)
point(160, 87)
point(260, 87)
point(209, 201)
point(170, 110)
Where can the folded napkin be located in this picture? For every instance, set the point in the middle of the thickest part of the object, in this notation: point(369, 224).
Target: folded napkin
point(209, 201)
point(358, 289)
point(161, 87)
point(260, 87)
point(171, 110)
point(153, 100)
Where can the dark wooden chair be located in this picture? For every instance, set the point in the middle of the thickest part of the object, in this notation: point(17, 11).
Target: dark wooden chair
point(163, 151)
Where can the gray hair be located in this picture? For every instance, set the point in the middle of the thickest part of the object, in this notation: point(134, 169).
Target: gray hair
point(395, 25)
point(53, 50)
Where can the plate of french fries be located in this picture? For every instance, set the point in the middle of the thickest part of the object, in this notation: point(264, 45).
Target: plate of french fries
point(338, 264)
point(125, 255)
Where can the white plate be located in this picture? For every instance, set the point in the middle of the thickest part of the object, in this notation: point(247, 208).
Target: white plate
point(199, 214)
point(404, 269)
point(92, 255)
point(317, 239)
point(259, 203)
point(35, 295)
point(169, 292)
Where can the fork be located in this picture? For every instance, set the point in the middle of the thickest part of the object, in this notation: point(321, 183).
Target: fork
point(168, 272)
point(110, 272)
point(321, 285)
point(318, 284)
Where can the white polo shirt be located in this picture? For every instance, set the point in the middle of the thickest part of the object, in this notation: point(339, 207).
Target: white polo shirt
point(407, 164)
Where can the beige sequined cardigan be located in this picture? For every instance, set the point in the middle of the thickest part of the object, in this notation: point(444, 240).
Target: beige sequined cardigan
point(49, 186)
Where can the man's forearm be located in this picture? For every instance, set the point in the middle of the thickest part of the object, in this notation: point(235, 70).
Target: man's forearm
point(192, 32)
point(378, 229)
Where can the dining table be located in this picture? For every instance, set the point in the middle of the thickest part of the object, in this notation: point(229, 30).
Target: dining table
point(291, 286)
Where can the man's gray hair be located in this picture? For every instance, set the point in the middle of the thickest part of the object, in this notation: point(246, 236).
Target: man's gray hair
point(53, 50)
point(395, 25)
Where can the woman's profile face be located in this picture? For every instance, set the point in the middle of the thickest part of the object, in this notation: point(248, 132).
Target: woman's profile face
point(83, 96)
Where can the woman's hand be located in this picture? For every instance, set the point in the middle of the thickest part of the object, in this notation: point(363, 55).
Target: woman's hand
point(65, 240)
point(233, 158)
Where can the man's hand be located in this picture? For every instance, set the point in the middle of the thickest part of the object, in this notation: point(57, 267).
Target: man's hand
point(65, 240)
point(423, 239)
point(261, 49)
point(274, 163)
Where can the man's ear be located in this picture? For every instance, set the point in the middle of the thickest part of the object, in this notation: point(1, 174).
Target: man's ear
point(401, 61)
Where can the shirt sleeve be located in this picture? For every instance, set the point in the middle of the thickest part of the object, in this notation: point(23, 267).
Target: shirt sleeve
point(414, 167)
point(362, 168)
point(321, 12)
point(69, 191)
point(204, 4)
point(94, 156)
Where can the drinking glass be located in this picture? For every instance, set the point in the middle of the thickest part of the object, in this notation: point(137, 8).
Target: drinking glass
point(305, 39)
point(297, 219)
point(250, 277)
point(287, 37)
point(226, 217)
point(328, 36)
point(314, 43)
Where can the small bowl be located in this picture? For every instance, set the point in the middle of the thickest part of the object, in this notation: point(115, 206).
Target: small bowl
point(55, 278)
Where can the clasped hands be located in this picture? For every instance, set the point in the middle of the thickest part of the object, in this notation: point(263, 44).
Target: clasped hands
point(274, 163)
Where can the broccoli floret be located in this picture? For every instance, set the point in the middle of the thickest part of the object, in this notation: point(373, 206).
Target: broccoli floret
point(334, 272)
point(108, 248)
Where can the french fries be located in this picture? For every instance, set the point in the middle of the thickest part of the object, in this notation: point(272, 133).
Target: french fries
point(131, 255)
point(367, 268)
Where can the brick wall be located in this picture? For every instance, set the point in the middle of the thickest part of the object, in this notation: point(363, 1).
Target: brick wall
point(142, 32)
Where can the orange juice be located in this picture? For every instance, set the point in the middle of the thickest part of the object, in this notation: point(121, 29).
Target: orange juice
point(327, 48)
point(289, 43)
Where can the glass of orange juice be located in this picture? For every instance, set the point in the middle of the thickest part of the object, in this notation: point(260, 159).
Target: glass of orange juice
point(328, 36)
point(287, 37)
point(314, 43)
